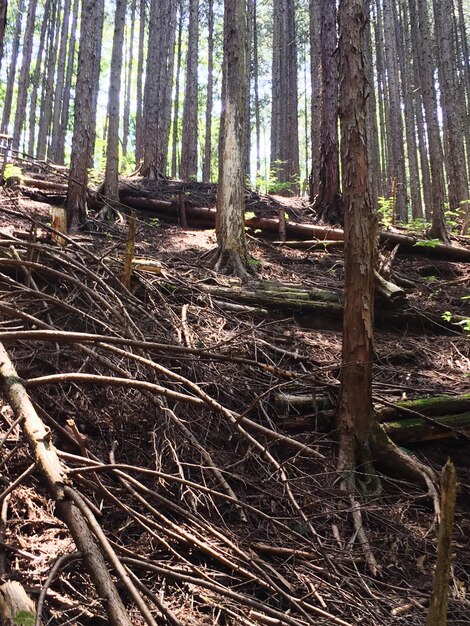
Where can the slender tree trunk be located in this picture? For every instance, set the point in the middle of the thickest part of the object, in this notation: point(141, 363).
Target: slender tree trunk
point(248, 56)
point(128, 82)
point(423, 56)
point(232, 252)
point(404, 57)
point(328, 201)
point(451, 98)
point(47, 97)
point(372, 132)
point(166, 86)
point(382, 97)
point(139, 144)
point(111, 187)
point(37, 77)
point(356, 418)
point(206, 170)
point(397, 152)
point(12, 68)
point(256, 89)
point(23, 82)
point(316, 80)
point(174, 150)
point(158, 86)
point(98, 43)
point(54, 147)
point(3, 23)
point(83, 114)
point(64, 117)
point(190, 105)
point(284, 123)
point(412, 39)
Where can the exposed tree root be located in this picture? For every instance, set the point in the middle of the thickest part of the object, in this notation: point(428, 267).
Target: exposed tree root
point(231, 263)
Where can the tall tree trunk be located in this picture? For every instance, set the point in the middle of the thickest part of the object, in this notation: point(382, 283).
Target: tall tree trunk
point(382, 98)
point(284, 123)
point(12, 68)
point(397, 152)
point(128, 82)
point(98, 43)
point(37, 77)
point(232, 251)
point(412, 43)
point(54, 148)
point(372, 132)
point(256, 89)
point(174, 150)
point(139, 142)
point(3, 23)
point(316, 80)
point(248, 56)
point(422, 51)
point(356, 418)
point(111, 189)
point(23, 82)
point(328, 201)
point(206, 170)
point(190, 105)
point(158, 86)
point(404, 57)
point(81, 140)
point(451, 97)
point(64, 116)
point(47, 97)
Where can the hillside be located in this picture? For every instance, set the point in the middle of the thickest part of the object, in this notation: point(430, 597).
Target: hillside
point(168, 406)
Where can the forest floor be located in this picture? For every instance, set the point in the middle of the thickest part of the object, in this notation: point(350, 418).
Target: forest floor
point(242, 520)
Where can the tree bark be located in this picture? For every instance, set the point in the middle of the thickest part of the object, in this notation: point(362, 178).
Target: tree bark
point(176, 104)
point(24, 74)
point(284, 119)
point(190, 104)
point(37, 78)
point(316, 81)
point(83, 117)
point(232, 253)
point(206, 170)
point(328, 205)
point(12, 69)
point(356, 418)
point(111, 189)
point(54, 147)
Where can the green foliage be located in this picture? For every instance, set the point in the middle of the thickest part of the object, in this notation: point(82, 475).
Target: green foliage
point(249, 215)
point(12, 170)
point(447, 316)
point(385, 210)
point(24, 618)
point(428, 243)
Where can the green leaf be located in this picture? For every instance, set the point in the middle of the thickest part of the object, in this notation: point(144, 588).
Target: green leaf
point(428, 243)
point(249, 215)
point(24, 618)
point(447, 316)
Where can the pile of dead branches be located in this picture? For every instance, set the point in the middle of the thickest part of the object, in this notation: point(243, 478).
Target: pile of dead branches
point(140, 424)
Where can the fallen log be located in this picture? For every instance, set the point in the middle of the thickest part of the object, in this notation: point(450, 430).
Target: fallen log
point(53, 472)
point(294, 230)
point(431, 407)
point(403, 431)
point(415, 430)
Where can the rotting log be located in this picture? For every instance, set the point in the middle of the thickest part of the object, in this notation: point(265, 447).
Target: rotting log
point(418, 429)
point(54, 474)
point(431, 407)
point(390, 291)
point(404, 431)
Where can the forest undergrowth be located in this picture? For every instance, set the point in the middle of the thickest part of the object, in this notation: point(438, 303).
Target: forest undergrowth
point(163, 404)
